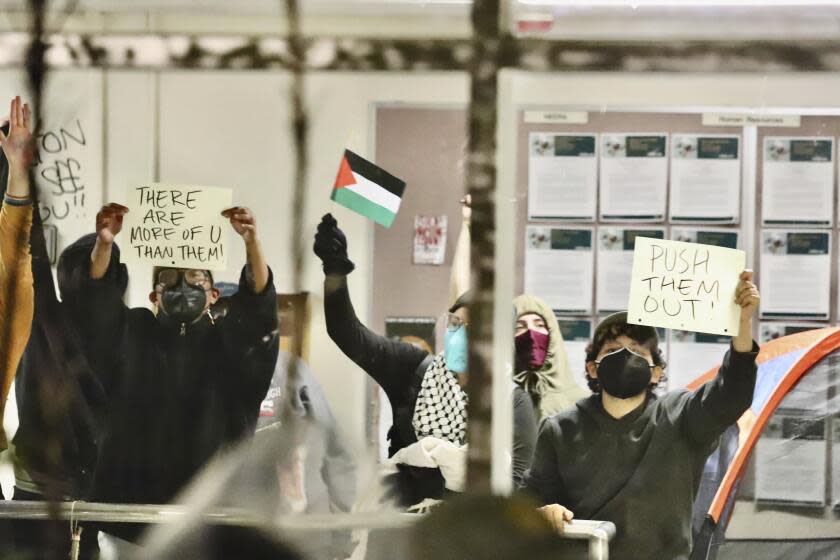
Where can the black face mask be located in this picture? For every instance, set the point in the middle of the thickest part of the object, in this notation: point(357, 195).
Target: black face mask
point(183, 303)
point(623, 374)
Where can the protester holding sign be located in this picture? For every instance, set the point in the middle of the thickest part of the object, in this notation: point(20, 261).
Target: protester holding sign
point(17, 301)
point(626, 455)
point(180, 384)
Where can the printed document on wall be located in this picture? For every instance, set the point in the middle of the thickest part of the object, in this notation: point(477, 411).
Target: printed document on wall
point(706, 236)
point(795, 274)
point(576, 333)
point(562, 176)
point(790, 460)
point(615, 264)
point(705, 178)
point(634, 177)
point(692, 354)
point(798, 181)
point(771, 330)
point(559, 265)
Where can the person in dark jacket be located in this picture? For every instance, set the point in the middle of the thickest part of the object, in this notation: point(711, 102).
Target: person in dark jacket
point(627, 456)
point(425, 391)
point(56, 393)
point(180, 386)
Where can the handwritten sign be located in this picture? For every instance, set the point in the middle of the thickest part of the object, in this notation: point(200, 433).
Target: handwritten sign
point(69, 171)
point(177, 226)
point(686, 286)
point(60, 171)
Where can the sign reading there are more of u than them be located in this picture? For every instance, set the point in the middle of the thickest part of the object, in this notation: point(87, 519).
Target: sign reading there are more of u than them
point(176, 226)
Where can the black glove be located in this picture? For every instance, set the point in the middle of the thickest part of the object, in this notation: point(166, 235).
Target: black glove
point(331, 247)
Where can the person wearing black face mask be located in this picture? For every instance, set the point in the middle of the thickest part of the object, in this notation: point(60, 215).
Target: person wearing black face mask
point(183, 296)
point(180, 384)
point(634, 458)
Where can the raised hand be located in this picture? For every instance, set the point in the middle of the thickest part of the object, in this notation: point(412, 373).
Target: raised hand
point(243, 221)
point(747, 295)
point(331, 247)
point(17, 145)
point(109, 222)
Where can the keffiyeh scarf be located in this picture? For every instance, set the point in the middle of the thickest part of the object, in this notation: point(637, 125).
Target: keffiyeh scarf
point(441, 407)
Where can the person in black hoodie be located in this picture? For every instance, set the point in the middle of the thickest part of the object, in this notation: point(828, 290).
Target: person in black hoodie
point(179, 385)
point(626, 455)
point(425, 391)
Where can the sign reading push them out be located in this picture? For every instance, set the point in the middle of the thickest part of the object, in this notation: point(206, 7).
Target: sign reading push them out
point(686, 286)
point(176, 226)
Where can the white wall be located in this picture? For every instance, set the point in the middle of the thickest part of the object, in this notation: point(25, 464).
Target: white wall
point(232, 129)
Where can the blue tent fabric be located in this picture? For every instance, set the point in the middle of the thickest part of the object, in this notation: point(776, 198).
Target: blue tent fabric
point(769, 375)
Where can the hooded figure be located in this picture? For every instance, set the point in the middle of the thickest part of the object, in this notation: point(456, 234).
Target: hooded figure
point(550, 385)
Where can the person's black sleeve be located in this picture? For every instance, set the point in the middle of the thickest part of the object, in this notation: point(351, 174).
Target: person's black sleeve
point(95, 306)
point(524, 434)
point(389, 362)
point(542, 480)
point(716, 405)
point(250, 338)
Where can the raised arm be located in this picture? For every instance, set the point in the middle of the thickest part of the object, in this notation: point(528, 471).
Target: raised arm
point(244, 223)
point(16, 290)
point(251, 326)
point(390, 363)
point(109, 222)
point(17, 147)
point(719, 403)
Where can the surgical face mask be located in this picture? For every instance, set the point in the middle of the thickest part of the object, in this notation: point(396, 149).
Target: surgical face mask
point(183, 303)
point(623, 373)
point(455, 349)
point(531, 349)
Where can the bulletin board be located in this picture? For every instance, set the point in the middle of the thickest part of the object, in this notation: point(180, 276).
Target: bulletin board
point(431, 166)
point(812, 245)
point(574, 324)
point(811, 127)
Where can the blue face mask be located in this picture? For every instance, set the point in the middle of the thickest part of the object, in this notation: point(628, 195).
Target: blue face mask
point(455, 350)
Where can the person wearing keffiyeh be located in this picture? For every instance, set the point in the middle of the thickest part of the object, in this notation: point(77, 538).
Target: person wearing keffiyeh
point(425, 391)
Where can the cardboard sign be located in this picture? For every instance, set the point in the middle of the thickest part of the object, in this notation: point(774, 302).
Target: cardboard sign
point(177, 226)
point(686, 286)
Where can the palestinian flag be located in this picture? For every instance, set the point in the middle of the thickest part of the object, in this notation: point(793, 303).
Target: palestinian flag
point(367, 189)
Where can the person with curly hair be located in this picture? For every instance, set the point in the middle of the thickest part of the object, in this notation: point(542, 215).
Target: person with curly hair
point(630, 456)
